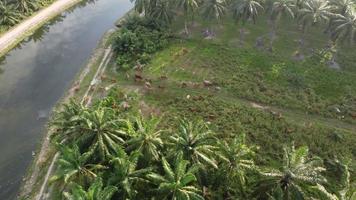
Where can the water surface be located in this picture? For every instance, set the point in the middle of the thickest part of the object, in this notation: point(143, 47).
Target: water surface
point(36, 75)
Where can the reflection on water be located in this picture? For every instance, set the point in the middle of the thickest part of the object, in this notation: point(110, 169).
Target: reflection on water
point(36, 74)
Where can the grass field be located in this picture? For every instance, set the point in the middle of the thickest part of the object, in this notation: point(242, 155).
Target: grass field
point(271, 98)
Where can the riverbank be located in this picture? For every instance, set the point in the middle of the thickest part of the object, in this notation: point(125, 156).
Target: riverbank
point(35, 185)
point(15, 35)
point(38, 169)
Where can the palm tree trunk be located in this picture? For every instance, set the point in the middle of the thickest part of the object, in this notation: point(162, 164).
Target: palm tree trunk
point(272, 34)
point(186, 27)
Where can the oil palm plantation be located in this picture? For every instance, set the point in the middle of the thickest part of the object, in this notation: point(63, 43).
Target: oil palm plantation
point(298, 175)
point(125, 173)
point(74, 166)
point(146, 138)
point(189, 8)
point(177, 182)
point(9, 16)
point(196, 142)
point(26, 6)
point(96, 191)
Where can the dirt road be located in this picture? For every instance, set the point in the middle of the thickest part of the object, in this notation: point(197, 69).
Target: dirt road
point(16, 34)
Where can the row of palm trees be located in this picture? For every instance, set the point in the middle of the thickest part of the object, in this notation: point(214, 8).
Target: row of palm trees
point(13, 11)
point(108, 154)
point(339, 16)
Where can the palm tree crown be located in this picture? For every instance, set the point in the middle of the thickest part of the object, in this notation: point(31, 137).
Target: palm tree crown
point(74, 166)
point(26, 6)
point(244, 10)
point(345, 27)
point(213, 9)
point(314, 12)
point(126, 173)
point(297, 174)
point(9, 16)
point(281, 7)
point(196, 142)
point(343, 6)
point(96, 191)
point(177, 183)
point(146, 138)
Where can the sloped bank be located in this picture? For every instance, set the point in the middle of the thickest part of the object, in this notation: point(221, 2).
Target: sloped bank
point(35, 183)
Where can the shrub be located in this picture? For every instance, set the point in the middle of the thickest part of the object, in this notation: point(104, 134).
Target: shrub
point(137, 40)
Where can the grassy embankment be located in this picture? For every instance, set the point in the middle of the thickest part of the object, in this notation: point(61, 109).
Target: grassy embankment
point(268, 96)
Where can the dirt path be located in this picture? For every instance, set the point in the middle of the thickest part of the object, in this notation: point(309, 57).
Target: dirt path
point(296, 116)
point(16, 34)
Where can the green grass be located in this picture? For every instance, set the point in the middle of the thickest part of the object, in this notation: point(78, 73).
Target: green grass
point(300, 97)
point(224, 108)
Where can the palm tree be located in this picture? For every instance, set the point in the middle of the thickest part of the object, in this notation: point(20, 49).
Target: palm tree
point(189, 8)
point(95, 128)
point(9, 16)
point(339, 7)
point(236, 156)
point(213, 9)
point(162, 11)
point(245, 10)
point(142, 6)
point(196, 142)
point(299, 172)
point(96, 191)
point(74, 166)
point(282, 7)
point(315, 12)
point(300, 3)
point(279, 8)
point(178, 181)
point(67, 122)
point(348, 191)
point(26, 6)
point(345, 27)
point(343, 6)
point(146, 138)
point(126, 174)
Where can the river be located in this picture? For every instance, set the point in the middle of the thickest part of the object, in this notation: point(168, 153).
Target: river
point(35, 76)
